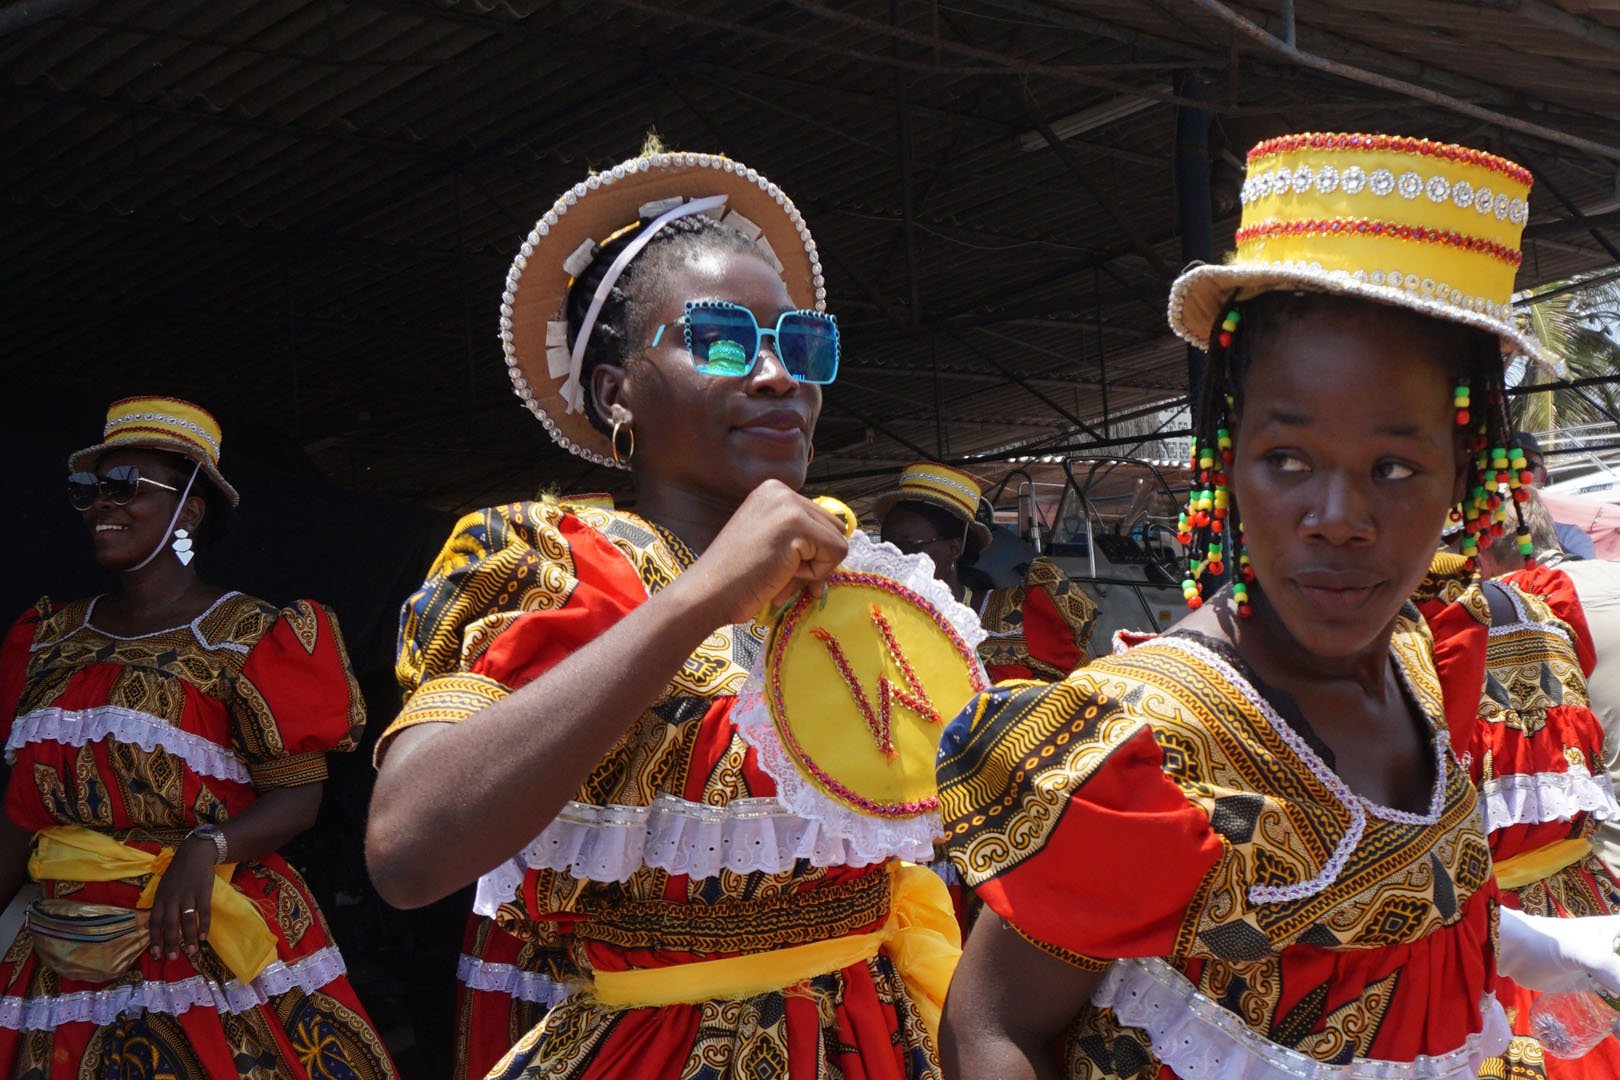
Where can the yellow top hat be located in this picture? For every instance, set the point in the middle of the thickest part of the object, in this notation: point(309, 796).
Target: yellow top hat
point(645, 191)
point(1422, 225)
point(160, 423)
point(940, 485)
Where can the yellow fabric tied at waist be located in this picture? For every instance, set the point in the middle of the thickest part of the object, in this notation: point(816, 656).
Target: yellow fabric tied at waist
point(1541, 863)
point(920, 937)
point(237, 931)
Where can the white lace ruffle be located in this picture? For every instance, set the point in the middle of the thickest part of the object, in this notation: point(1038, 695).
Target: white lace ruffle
point(872, 838)
point(1200, 1040)
point(76, 727)
point(609, 843)
point(1532, 798)
point(102, 1007)
point(510, 980)
point(1355, 805)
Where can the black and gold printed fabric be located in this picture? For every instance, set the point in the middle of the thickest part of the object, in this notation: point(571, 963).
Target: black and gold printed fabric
point(1156, 816)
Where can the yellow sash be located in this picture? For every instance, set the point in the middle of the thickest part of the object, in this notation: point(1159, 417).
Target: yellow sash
point(237, 931)
point(1540, 863)
point(921, 938)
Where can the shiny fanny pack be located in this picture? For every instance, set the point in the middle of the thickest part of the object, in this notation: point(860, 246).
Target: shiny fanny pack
point(87, 942)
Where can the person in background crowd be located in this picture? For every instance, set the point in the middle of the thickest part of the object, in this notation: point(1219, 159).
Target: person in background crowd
point(1572, 539)
point(1037, 630)
point(1512, 650)
point(163, 742)
point(1597, 588)
point(1246, 847)
point(571, 670)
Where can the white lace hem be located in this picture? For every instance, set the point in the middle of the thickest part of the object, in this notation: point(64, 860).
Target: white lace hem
point(610, 843)
point(872, 838)
point(76, 727)
point(1200, 1040)
point(510, 980)
point(101, 1007)
point(1532, 798)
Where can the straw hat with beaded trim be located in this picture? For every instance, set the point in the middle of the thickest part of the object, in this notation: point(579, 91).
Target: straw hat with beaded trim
point(1427, 226)
point(534, 326)
point(160, 423)
point(949, 489)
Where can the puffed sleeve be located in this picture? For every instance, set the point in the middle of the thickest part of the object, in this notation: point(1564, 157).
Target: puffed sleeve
point(1038, 630)
point(296, 699)
point(516, 589)
point(1555, 588)
point(14, 664)
point(1058, 616)
point(1054, 796)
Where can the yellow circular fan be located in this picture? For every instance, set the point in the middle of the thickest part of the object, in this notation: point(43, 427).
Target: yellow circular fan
point(860, 688)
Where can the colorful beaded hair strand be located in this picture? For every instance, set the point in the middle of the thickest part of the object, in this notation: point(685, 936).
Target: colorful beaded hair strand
point(1212, 533)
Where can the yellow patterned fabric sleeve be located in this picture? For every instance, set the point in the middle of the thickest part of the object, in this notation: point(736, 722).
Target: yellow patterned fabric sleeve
point(296, 699)
point(501, 568)
point(1039, 629)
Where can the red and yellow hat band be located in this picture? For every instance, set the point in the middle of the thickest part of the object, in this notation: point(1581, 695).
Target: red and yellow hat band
point(141, 421)
point(940, 484)
point(1436, 220)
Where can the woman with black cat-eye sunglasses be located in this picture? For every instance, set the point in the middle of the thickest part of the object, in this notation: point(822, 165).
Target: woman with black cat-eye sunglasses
point(165, 739)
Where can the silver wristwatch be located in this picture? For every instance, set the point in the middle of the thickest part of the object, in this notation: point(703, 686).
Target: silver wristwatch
point(212, 832)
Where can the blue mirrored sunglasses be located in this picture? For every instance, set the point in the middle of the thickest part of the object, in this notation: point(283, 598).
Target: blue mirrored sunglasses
point(724, 340)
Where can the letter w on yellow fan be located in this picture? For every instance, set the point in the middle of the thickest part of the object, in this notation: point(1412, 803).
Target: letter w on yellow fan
point(860, 687)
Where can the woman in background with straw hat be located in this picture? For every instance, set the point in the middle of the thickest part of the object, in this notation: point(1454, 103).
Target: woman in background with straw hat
point(1037, 630)
point(571, 670)
point(1247, 848)
point(163, 741)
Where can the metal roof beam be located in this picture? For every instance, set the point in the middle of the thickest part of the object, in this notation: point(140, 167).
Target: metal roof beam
point(1398, 86)
point(1048, 382)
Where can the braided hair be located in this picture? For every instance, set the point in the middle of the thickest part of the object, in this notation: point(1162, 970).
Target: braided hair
point(622, 326)
point(1210, 527)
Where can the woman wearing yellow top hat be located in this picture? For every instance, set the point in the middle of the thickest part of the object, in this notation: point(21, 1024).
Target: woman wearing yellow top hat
point(1037, 630)
point(571, 670)
point(1248, 848)
point(163, 741)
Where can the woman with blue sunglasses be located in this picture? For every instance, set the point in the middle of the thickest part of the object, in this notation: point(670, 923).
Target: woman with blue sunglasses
point(570, 669)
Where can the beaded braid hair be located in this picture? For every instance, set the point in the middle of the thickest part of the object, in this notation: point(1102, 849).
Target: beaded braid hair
point(621, 328)
point(1210, 527)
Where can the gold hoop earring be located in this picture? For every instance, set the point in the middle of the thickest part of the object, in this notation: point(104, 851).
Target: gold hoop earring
point(614, 439)
point(812, 456)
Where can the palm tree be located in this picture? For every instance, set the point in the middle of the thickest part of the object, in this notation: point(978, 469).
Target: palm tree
point(1576, 326)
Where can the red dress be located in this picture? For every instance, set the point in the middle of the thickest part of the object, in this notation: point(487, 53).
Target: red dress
point(505, 984)
point(1037, 630)
point(676, 849)
point(1157, 817)
point(1535, 749)
point(141, 739)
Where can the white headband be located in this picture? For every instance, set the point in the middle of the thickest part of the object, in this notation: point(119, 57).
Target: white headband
point(573, 394)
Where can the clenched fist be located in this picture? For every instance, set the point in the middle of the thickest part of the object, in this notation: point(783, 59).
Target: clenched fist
point(777, 543)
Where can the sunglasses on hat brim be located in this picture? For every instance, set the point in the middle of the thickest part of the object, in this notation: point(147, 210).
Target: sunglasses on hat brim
point(724, 340)
point(119, 487)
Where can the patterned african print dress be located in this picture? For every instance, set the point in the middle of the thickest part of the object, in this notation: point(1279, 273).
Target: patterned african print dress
point(130, 742)
point(1037, 630)
point(1535, 749)
point(676, 850)
point(505, 983)
point(1159, 816)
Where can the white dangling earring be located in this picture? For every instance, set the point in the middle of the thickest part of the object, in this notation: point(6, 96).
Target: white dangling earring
point(182, 547)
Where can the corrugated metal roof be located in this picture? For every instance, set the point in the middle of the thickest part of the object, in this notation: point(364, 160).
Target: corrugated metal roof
point(305, 211)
